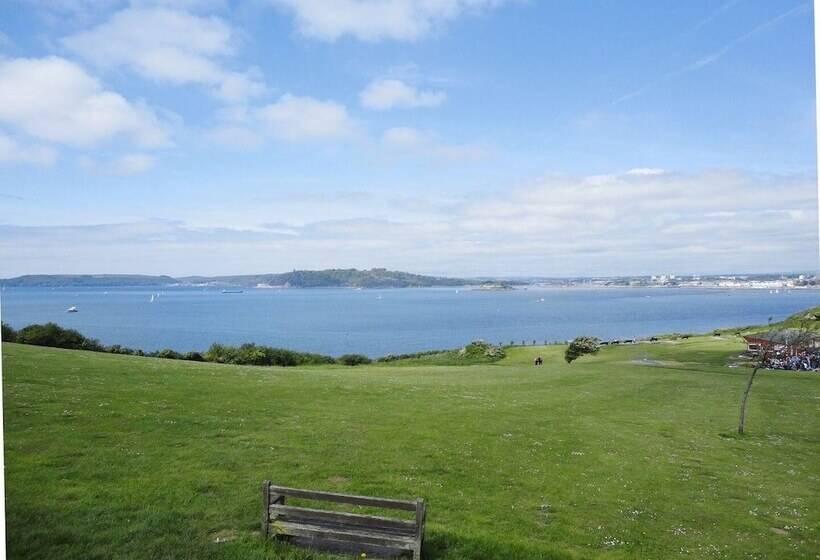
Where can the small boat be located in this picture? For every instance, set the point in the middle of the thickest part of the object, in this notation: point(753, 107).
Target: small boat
point(72, 309)
point(232, 291)
point(152, 298)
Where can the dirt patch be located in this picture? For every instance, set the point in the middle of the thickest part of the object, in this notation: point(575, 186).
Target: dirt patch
point(648, 362)
point(225, 535)
point(338, 479)
point(780, 531)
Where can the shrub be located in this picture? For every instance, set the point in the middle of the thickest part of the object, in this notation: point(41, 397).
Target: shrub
point(218, 353)
point(481, 349)
point(168, 354)
point(475, 349)
point(117, 349)
point(580, 346)
point(8, 334)
point(193, 356)
point(353, 359)
point(52, 334)
point(412, 355)
point(251, 354)
point(257, 355)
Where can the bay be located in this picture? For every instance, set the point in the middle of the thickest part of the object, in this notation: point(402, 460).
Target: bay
point(391, 321)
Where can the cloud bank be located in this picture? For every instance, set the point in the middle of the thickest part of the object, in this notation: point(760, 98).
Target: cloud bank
point(623, 223)
point(374, 20)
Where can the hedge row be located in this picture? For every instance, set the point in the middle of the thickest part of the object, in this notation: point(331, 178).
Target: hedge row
point(52, 334)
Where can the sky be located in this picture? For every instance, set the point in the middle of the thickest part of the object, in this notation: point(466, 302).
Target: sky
point(451, 137)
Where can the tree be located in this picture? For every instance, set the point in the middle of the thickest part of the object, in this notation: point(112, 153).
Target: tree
point(581, 345)
point(353, 359)
point(802, 337)
point(8, 333)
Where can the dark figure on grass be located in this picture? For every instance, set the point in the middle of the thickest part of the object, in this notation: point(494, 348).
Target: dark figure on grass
point(538, 361)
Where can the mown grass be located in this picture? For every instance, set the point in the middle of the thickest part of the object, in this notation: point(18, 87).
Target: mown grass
point(629, 453)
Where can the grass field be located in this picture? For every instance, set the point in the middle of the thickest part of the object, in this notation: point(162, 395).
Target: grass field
point(626, 454)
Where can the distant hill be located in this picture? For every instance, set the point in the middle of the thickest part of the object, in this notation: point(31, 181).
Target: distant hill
point(333, 278)
point(86, 280)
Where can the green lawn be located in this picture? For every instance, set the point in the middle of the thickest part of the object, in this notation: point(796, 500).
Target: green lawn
point(626, 454)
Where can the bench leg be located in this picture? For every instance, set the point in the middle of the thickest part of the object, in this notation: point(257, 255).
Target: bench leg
point(265, 509)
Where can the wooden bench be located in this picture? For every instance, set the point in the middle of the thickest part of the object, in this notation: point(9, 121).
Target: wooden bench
point(338, 531)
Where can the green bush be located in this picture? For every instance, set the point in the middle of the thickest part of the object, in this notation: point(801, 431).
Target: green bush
point(481, 349)
point(353, 359)
point(8, 334)
point(258, 355)
point(52, 334)
point(168, 354)
point(410, 356)
point(580, 346)
point(117, 349)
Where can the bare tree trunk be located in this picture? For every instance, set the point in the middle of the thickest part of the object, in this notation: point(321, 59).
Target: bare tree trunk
point(743, 400)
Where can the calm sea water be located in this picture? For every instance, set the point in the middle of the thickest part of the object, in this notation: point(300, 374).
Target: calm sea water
point(378, 322)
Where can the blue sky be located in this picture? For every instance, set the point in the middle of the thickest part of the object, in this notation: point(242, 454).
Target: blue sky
point(460, 137)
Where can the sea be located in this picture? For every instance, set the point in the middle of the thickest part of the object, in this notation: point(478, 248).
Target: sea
point(376, 322)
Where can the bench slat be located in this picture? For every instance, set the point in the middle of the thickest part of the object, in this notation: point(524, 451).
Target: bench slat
point(293, 513)
point(405, 505)
point(349, 548)
point(353, 536)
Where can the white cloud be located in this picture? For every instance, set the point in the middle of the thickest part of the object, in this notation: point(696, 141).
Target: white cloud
point(403, 137)
point(132, 163)
point(305, 118)
point(413, 141)
point(11, 151)
point(127, 164)
point(170, 46)
point(373, 20)
point(646, 171)
point(184, 4)
point(54, 99)
point(387, 94)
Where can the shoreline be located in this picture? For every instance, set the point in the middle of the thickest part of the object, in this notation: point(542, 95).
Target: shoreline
point(467, 287)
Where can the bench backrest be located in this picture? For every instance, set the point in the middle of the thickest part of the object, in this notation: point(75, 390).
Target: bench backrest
point(273, 497)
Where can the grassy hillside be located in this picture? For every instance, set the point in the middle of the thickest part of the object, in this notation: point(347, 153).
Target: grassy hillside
point(625, 454)
point(807, 318)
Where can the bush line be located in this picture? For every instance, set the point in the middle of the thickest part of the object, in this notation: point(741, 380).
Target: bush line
point(250, 354)
point(53, 335)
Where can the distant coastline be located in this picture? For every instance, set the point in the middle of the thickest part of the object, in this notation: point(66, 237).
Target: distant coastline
point(332, 278)
point(383, 278)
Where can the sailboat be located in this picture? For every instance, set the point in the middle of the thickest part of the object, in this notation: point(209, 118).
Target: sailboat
point(152, 298)
point(72, 309)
